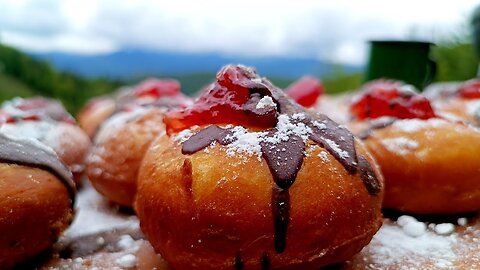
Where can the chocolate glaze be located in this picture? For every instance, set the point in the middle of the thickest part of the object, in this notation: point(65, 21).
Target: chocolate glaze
point(238, 264)
point(368, 176)
point(376, 124)
point(265, 262)
point(340, 136)
point(26, 153)
point(267, 115)
point(204, 138)
point(285, 158)
point(281, 217)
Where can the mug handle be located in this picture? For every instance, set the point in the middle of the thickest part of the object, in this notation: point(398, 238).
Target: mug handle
point(431, 71)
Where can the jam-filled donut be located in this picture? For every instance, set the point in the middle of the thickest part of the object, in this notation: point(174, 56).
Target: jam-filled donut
point(156, 92)
point(124, 138)
point(36, 199)
point(460, 104)
point(248, 179)
point(113, 163)
point(47, 120)
point(430, 165)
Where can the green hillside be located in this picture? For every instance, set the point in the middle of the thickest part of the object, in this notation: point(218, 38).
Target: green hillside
point(22, 75)
point(11, 87)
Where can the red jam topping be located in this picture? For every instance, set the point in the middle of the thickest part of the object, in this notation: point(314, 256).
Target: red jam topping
point(470, 89)
point(36, 109)
point(305, 91)
point(6, 118)
point(390, 98)
point(231, 99)
point(156, 88)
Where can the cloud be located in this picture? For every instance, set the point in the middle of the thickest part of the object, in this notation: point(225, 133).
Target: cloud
point(334, 30)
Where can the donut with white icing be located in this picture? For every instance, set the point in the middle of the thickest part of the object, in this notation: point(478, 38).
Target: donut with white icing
point(47, 121)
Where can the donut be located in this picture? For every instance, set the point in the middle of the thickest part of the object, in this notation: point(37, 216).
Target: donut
point(94, 113)
point(36, 199)
point(47, 121)
point(430, 164)
point(248, 179)
point(123, 139)
point(150, 92)
point(461, 104)
point(114, 160)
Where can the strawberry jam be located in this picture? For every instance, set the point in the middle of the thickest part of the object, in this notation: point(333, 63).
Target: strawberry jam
point(305, 91)
point(233, 98)
point(390, 98)
point(470, 89)
point(156, 88)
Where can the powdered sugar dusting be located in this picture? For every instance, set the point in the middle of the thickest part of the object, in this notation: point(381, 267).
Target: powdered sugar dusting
point(94, 214)
point(110, 126)
point(400, 145)
point(183, 135)
point(342, 153)
point(266, 102)
point(414, 125)
point(319, 125)
point(324, 156)
point(286, 128)
point(244, 142)
point(393, 246)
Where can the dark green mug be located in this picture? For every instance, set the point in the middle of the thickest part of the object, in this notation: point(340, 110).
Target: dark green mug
point(407, 61)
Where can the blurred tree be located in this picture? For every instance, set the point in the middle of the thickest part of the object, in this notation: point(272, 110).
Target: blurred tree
point(456, 61)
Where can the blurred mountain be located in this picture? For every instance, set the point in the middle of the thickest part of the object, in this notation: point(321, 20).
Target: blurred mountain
point(127, 64)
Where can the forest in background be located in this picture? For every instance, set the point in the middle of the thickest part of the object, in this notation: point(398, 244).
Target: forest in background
point(22, 75)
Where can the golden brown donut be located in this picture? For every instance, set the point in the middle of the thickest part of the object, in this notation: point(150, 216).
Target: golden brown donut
point(68, 141)
point(35, 200)
point(274, 186)
point(94, 113)
point(430, 166)
point(198, 211)
point(114, 160)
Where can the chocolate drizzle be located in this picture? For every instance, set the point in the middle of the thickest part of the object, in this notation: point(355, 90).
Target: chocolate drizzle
point(332, 136)
point(265, 262)
point(368, 176)
point(376, 124)
point(27, 153)
point(284, 157)
point(204, 138)
point(238, 264)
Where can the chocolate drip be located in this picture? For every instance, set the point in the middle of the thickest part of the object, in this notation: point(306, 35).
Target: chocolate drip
point(27, 153)
point(238, 261)
point(330, 135)
point(368, 176)
point(281, 216)
point(376, 124)
point(265, 262)
point(204, 138)
point(284, 159)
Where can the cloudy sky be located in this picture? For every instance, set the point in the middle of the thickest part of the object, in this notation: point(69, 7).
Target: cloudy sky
point(335, 30)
